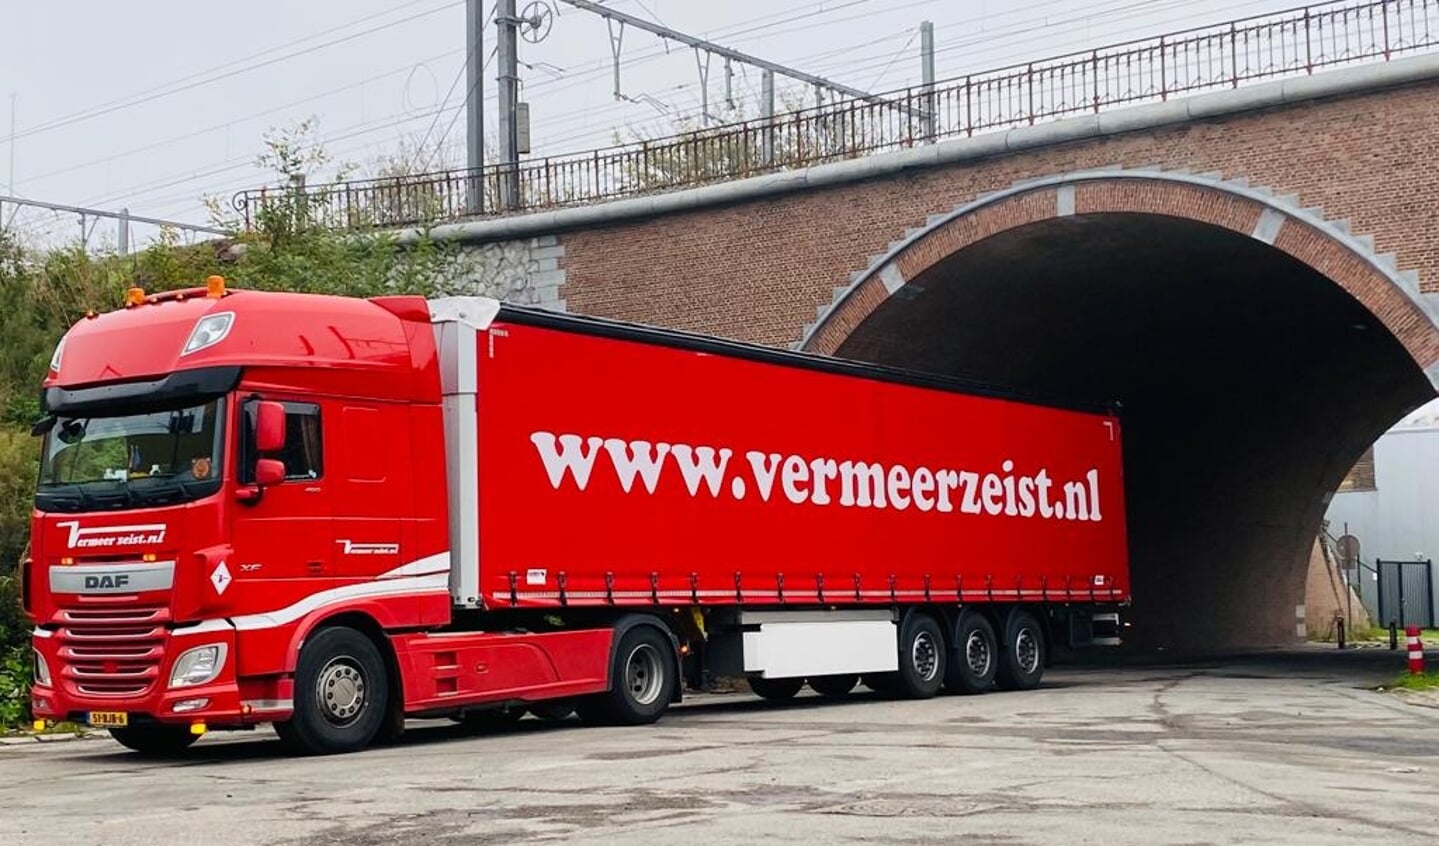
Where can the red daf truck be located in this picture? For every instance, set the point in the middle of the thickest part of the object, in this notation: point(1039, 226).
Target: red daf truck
point(331, 514)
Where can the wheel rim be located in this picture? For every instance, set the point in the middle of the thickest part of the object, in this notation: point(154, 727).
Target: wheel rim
point(924, 655)
point(977, 654)
point(644, 674)
point(341, 691)
point(1026, 650)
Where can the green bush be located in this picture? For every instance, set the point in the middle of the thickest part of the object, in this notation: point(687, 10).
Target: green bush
point(15, 672)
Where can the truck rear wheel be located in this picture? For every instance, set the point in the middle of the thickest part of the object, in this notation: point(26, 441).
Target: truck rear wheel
point(976, 657)
point(921, 657)
point(341, 693)
point(775, 690)
point(642, 681)
point(1021, 664)
point(833, 687)
point(155, 741)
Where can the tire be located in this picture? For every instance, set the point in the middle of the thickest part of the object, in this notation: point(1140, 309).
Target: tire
point(833, 687)
point(341, 693)
point(1021, 660)
point(643, 681)
point(922, 655)
point(975, 656)
point(155, 741)
point(775, 690)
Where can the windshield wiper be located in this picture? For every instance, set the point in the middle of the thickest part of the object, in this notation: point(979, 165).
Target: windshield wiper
point(166, 487)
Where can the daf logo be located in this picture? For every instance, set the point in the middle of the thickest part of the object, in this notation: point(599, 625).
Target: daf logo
point(107, 581)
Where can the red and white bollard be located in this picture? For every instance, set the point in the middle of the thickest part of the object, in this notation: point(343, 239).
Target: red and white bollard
point(1416, 651)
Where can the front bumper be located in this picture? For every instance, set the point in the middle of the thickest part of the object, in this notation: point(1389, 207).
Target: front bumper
point(67, 697)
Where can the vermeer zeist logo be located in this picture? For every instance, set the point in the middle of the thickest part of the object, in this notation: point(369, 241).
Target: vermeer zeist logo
point(109, 537)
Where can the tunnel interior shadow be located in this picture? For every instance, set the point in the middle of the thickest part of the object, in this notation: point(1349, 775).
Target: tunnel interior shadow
point(1249, 384)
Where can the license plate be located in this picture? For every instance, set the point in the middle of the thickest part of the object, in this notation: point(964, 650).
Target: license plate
point(109, 719)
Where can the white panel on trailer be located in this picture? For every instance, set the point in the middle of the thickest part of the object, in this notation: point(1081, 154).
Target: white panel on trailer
point(457, 321)
point(818, 643)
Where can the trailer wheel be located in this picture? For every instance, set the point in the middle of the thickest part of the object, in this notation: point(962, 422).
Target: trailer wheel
point(1022, 663)
point(976, 655)
point(155, 741)
point(775, 690)
point(833, 687)
point(643, 681)
point(341, 693)
point(921, 657)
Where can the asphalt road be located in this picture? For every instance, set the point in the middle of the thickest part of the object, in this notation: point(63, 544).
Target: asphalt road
point(1287, 748)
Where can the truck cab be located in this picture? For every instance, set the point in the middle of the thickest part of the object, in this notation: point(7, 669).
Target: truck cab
point(216, 467)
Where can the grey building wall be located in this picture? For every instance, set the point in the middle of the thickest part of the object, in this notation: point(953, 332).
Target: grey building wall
point(1399, 519)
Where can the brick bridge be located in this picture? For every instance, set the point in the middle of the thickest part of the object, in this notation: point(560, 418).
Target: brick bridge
point(1251, 272)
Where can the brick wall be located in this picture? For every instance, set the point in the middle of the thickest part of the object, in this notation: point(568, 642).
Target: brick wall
point(757, 271)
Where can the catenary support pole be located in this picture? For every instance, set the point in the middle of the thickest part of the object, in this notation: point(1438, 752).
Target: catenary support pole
point(509, 80)
point(926, 55)
point(475, 105)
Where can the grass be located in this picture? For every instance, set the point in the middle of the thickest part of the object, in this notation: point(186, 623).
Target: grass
point(1424, 681)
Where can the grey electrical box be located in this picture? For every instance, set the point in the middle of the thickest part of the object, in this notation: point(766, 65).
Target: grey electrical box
point(522, 128)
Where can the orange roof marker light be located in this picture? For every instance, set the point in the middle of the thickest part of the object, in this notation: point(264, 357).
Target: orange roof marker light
point(215, 287)
point(135, 296)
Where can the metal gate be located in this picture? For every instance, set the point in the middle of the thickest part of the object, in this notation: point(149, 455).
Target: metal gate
point(1406, 593)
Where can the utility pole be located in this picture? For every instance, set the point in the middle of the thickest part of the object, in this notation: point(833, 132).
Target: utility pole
point(475, 105)
point(926, 58)
point(767, 113)
point(123, 238)
point(509, 78)
point(10, 183)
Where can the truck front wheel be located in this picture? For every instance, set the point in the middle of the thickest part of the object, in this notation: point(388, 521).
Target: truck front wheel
point(341, 693)
point(642, 681)
point(157, 741)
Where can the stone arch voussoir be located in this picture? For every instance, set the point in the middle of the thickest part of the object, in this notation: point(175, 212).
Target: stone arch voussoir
point(1349, 260)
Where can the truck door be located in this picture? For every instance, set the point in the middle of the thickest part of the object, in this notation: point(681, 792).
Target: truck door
point(371, 492)
point(284, 542)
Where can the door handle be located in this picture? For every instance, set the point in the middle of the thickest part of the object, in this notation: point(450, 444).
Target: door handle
point(315, 568)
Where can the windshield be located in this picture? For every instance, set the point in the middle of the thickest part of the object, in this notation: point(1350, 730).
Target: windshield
point(131, 461)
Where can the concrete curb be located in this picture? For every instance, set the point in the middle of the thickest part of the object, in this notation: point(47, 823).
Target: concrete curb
point(1421, 698)
point(1344, 81)
point(30, 738)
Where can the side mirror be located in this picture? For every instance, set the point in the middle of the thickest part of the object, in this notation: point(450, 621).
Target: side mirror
point(269, 472)
point(270, 428)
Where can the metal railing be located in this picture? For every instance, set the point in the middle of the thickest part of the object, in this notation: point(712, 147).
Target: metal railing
point(1293, 43)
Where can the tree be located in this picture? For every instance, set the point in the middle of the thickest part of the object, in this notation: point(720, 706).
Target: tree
point(42, 293)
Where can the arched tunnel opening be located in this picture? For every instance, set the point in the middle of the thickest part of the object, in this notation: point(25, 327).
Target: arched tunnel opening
point(1249, 386)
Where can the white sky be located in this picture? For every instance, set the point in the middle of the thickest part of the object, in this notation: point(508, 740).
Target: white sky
point(154, 104)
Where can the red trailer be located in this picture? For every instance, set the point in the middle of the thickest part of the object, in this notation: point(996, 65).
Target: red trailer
point(329, 514)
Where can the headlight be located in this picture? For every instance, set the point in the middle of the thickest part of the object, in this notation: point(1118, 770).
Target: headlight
point(210, 331)
point(42, 671)
point(198, 666)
